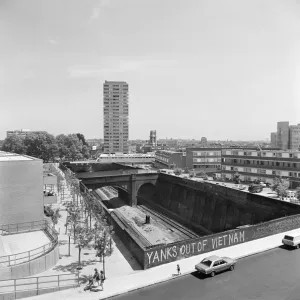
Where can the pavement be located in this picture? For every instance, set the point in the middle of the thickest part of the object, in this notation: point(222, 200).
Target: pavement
point(120, 263)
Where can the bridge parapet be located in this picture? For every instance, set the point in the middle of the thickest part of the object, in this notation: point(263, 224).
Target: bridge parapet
point(129, 182)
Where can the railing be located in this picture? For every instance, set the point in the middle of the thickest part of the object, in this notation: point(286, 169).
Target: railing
point(23, 257)
point(22, 285)
point(22, 227)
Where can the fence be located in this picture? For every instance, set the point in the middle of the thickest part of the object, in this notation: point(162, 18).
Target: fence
point(30, 286)
point(23, 257)
point(22, 227)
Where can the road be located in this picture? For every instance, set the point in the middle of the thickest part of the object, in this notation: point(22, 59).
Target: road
point(273, 275)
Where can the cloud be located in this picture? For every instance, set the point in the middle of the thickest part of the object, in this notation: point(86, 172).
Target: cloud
point(120, 67)
point(97, 9)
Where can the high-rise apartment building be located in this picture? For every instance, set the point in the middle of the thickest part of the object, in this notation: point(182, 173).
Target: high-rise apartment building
point(273, 139)
point(153, 141)
point(283, 129)
point(294, 138)
point(115, 107)
point(203, 141)
point(286, 137)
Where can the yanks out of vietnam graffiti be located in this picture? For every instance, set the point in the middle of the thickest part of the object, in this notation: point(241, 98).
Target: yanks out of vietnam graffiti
point(173, 252)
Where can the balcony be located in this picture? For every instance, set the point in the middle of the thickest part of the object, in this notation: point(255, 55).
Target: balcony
point(282, 168)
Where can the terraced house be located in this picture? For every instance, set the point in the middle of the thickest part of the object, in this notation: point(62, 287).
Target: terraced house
point(262, 164)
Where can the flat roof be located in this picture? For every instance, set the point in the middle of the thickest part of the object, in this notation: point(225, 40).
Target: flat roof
point(125, 155)
point(7, 156)
point(263, 150)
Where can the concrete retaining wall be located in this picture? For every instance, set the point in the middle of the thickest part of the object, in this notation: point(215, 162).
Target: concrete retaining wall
point(213, 207)
point(176, 251)
point(33, 267)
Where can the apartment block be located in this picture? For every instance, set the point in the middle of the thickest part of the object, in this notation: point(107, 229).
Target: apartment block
point(274, 139)
point(22, 132)
point(283, 129)
point(115, 107)
point(294, 137)
point(204, 159)
point(263, 164)
point(170, 159)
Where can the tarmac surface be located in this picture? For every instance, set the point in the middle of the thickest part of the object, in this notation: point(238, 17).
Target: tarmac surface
point(271, 275)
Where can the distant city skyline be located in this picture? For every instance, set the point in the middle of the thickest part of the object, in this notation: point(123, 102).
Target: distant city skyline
point(219, 69)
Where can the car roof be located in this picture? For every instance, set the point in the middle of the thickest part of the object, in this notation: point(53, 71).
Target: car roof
point(213, 257)
point(292, 235)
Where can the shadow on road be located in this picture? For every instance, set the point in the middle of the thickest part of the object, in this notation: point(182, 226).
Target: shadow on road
point(199, 275)
point(287, 248)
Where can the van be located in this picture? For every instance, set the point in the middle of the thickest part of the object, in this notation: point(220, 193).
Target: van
point(292, 240)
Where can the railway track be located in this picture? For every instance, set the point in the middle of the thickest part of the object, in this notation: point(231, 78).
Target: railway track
point(170, 222)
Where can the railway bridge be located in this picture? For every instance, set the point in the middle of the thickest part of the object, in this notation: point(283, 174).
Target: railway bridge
point(130, 181)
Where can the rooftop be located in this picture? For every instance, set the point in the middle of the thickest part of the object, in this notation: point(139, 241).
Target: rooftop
point(126, 155)
point(263, 150)
point(7, 156)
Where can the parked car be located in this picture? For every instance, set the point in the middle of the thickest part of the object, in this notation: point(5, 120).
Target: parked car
point(48, 211)
point(215, 264)
point(292, 240)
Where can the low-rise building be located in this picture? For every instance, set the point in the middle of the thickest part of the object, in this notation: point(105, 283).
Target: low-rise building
point(135, 158)
point(21, 188)
point(22, 132)
point(204, 159)
point(262, 164)
point(170, 159)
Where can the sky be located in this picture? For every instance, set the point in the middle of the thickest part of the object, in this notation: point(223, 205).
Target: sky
point(223, 69)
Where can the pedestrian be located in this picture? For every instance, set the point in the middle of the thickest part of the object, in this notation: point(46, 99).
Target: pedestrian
point(102, 278)
point(178, 270)
point(96, 276)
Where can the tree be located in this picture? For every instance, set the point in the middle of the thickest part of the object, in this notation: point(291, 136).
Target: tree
point(236, 178)
point(72, 147)
point(84, 237)
point(55, 216)
point(103, 241)
point(41, 145)
point(73, 218)
point(15, 144)
point(280, 186)
point(178, 171)
point(82, 139)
